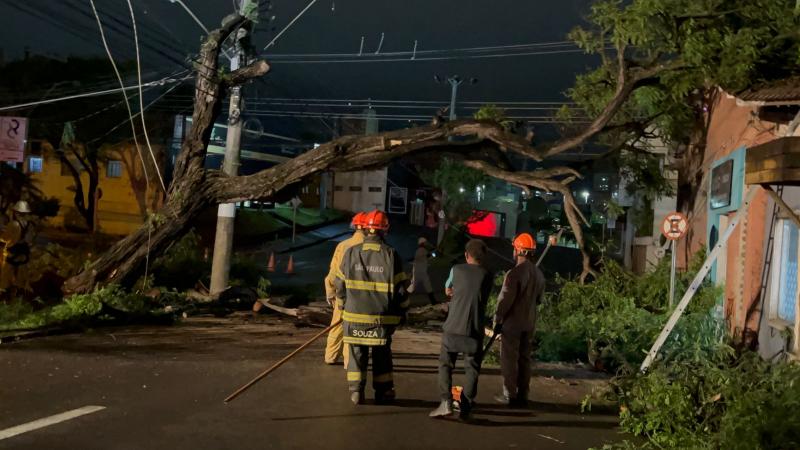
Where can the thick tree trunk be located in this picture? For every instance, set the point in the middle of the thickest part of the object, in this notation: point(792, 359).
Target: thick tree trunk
point(195, 188)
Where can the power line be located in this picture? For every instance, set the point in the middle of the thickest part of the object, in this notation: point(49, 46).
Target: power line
point(148, 106)
point(161, 82)
point(367, 59)
point(141, 100)
point(124, 94)
point(377, 102)
point(429, 52)
point(272, 42)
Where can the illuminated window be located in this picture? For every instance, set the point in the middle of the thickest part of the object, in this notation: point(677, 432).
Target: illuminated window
point(35, 164)
point(784, 278)
point(114, 169)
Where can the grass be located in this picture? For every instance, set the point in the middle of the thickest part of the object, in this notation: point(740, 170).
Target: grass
point(254, 223)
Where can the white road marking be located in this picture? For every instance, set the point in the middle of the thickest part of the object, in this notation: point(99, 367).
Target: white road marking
point(47, 421)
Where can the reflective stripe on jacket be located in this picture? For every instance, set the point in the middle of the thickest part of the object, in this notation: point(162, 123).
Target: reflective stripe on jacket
point(336, 262)
point(373, 286)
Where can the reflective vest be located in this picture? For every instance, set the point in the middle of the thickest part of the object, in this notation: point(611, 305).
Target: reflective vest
point(336, 263)
point(373, 286)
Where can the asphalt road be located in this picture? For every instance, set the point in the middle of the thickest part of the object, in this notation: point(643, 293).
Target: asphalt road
point(162, 388)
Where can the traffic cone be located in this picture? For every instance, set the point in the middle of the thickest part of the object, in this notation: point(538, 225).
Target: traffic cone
point(271, 263)
point(290, 267)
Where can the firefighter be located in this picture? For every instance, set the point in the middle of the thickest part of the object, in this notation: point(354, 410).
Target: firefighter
point(16, 240)
point(374, 287)
point(515, 318)
point(335, 346)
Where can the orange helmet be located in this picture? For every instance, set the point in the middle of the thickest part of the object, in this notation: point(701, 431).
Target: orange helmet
point(358, 220)
point(376, 220)
point(524, 243)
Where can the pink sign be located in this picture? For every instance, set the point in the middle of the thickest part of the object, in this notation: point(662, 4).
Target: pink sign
point(13, 131)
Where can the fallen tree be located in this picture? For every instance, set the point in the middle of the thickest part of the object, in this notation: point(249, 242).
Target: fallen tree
point(480, 144)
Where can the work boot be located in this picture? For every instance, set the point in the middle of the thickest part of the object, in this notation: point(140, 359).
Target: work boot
point(445, 409)
point(465, 416)
point(385, 398)
point(357, 397)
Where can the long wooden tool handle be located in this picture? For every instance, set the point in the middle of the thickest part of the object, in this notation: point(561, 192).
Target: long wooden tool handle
point(281, 362)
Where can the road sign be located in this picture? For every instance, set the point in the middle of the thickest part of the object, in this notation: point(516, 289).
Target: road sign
point(13, 131)
point(674, 226)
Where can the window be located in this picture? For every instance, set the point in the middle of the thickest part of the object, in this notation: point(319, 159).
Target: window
point(355, 188)
point(114, 169)
point(338, 188)
point(784, 283)
point(35, 164)
point(375, 189)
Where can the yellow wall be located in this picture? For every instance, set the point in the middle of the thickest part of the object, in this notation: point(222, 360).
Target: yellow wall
point(119, 212)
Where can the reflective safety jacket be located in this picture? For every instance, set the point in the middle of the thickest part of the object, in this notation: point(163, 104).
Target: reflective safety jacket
point(336, 263)
point(374, 287)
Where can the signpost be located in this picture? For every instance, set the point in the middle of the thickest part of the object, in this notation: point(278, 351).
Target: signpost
point(13, 131)
point(296, 202)
point(674, 227)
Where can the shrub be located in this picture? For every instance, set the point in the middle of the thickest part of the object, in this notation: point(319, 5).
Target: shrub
point(76, 308)
point(182, 265)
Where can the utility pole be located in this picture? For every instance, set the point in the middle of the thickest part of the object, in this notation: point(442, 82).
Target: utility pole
point(454, 81)
point(226, 212)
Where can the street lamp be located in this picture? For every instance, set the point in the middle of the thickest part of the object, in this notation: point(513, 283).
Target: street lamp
point(454, 81)
point(585, 195)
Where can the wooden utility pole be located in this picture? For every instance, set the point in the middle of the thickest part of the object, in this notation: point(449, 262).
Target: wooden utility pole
point(226, 212)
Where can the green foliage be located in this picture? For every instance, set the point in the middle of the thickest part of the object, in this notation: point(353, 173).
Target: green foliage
point(246, 271)
point(459, 182)
point(728, 43)
point(76, 308)
point(182, 265)
point(495, 114)
point(612, 320)
point(722, 400)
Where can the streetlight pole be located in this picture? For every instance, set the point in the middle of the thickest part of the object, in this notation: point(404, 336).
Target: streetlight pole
point(226, 212)
point(454, 81)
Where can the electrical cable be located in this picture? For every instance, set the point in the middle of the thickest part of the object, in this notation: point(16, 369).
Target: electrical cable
point(161, 82)
point(141, 99)
point(124, 94)
point(434, 58)
point(272, 42)
point(432, 51)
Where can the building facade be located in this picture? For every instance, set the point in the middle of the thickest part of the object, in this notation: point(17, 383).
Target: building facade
point(123, 196)
point(758, 264)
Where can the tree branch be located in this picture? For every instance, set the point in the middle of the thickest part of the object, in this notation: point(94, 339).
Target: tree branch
point(245, 73)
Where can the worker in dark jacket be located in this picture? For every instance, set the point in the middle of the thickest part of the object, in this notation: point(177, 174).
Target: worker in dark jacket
point(373, 286)
point(516, 320)
point(463, 329)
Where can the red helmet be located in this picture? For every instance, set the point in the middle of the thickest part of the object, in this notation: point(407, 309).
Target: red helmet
point(358, 220)
point(524, 243)
point(376, 220)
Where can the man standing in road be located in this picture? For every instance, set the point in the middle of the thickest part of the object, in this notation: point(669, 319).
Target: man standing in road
point(463, 329)
point(335, 345)
point(374, 287)
point(420, 281)
point(516, 320)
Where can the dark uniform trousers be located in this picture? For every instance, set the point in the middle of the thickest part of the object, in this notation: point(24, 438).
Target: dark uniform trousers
point(452, 345)
point(515, 355)
point(382, 380)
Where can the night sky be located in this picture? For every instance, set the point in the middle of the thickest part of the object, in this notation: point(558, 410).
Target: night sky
point(169, 35)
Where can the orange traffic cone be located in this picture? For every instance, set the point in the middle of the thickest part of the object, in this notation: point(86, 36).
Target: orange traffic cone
point(290, 267)
point(271, 263)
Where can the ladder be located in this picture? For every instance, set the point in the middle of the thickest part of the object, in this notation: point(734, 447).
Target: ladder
point(767, 267)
